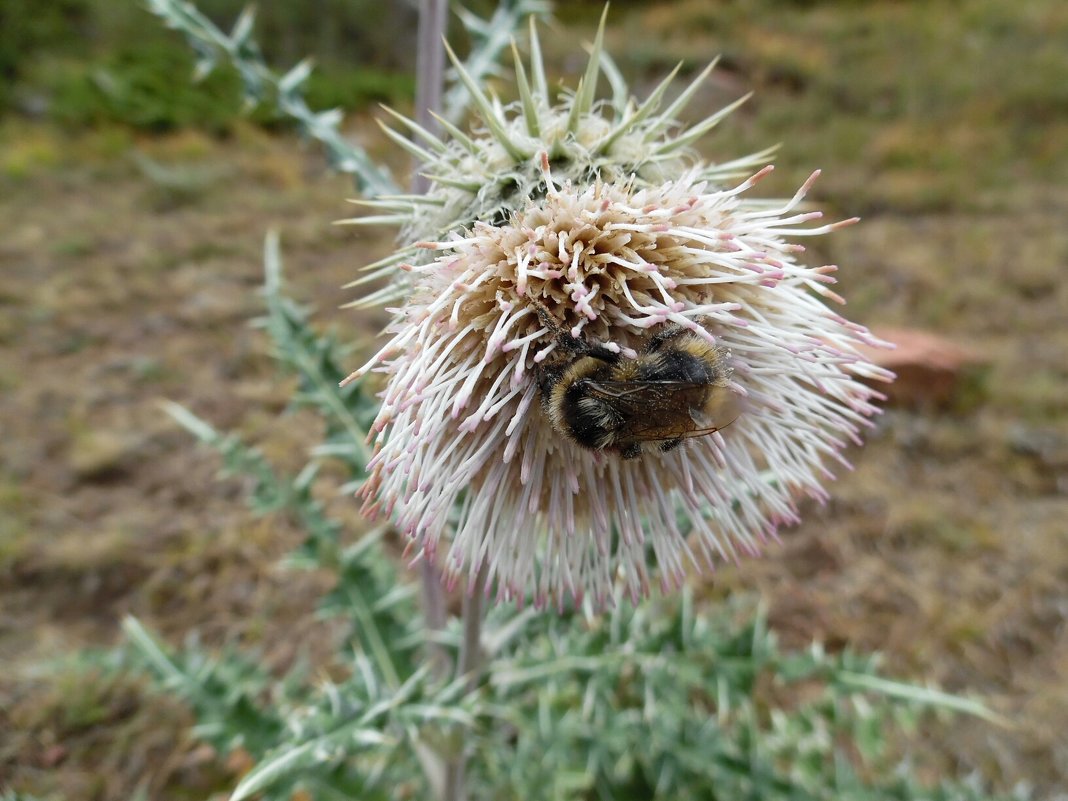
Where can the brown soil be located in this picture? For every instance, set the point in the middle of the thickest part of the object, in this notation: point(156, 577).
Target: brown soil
point(946, 548)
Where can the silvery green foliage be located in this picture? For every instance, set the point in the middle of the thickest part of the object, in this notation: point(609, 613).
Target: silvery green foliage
point(489, 38)
point(662, 699)
point(659, 699)
point(262, 84)
point(286, 91)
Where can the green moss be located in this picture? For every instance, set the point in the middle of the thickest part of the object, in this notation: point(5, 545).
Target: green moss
point(149, 87)
point(144, 86)
point(355, 88)
point(26, 26)
point(24, 153)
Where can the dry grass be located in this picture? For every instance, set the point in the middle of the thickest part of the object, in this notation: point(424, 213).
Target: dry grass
point(946, 548)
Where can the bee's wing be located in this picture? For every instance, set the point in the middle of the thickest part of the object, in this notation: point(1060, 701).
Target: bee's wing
point(703, 432)
point(663, 410)
point(636, 396)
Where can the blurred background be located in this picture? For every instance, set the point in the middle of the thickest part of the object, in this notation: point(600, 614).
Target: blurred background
point(134, 206)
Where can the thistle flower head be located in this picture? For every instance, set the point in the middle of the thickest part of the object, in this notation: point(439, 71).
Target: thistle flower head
point(554, 230)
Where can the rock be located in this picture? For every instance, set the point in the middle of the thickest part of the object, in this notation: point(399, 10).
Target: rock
point(932, 371)
point(100, 455)
point(53, 755)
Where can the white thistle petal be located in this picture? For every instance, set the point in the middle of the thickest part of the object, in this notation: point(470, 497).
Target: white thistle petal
point(612, 226)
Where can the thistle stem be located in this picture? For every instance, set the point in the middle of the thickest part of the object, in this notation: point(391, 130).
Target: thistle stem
point(430, 71)
point(430, 79)
point(471, 667)
point(471, 646)
point(433, 598)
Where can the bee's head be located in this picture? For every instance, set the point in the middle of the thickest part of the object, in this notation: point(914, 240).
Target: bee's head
point(568, 345)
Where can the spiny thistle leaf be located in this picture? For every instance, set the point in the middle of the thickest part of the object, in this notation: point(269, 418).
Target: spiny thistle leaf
point(262, 85)
point(365, 576)
point(490, 37)
point(317, 360)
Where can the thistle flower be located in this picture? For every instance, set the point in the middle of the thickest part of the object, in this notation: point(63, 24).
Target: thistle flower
point(597, 219)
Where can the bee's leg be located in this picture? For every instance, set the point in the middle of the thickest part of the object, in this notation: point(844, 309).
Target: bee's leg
point(566, 342)
point(670, 444)
point(546, 316)
point(601, 353)
point(632, 451)
point(664, 335)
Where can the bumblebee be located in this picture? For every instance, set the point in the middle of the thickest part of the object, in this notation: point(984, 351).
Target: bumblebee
point(677, 388)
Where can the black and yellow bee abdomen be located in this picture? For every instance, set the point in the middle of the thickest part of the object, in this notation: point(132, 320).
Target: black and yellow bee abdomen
point(577, 413)
point(690, 360)
point(675, 389)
